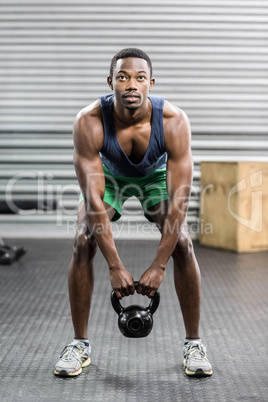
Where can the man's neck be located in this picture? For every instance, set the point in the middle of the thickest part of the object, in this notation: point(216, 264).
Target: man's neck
point(128, 117)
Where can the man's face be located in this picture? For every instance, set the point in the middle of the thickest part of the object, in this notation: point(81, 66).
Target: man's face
point(131, 82)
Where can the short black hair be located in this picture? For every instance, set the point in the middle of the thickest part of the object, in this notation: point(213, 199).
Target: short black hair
point(130, 52)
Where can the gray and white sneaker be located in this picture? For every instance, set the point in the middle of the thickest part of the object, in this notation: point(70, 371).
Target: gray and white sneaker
point(72, 358)
point(195, 359)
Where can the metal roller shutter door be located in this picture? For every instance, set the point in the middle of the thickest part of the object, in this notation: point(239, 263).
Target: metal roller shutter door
point(210, 59)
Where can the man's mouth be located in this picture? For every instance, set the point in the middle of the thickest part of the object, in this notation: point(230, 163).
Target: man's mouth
point(131, 96)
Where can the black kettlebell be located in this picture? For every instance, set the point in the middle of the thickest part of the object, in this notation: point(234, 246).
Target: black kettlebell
point(135, 321)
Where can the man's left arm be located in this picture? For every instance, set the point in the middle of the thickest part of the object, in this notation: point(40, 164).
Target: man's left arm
point(178, 182)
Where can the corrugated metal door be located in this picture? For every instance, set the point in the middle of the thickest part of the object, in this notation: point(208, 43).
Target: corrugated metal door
point(210, 58)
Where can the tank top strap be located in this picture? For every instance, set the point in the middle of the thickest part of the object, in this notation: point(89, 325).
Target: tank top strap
point(157, 129)
point(107, 102)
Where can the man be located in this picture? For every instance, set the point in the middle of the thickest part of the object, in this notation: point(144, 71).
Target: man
point(129, 143)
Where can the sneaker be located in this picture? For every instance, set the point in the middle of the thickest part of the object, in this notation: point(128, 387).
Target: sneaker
point(195, 359)
point(72, 359)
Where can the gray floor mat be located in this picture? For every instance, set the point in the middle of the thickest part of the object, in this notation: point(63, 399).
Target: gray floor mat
point(36, 325)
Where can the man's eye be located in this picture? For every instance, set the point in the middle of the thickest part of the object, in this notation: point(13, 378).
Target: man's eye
point(121, 77)
point(141, 77)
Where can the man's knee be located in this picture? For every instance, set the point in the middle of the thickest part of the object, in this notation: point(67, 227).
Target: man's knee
point(184, 247)
point(84, 243)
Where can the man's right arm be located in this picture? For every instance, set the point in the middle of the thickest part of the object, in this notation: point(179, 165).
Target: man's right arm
point(88, 139)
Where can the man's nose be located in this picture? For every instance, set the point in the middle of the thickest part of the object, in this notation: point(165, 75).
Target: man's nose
point(132, 84)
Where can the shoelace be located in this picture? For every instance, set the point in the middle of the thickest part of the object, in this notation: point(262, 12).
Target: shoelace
point(198, 351)
point(71, 352)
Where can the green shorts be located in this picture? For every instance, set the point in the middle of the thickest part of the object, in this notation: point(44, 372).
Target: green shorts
point(150, 190)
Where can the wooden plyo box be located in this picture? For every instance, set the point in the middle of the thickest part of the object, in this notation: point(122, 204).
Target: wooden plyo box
point(234, 205)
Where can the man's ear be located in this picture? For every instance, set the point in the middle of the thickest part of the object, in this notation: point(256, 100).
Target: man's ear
point(110, 82)
point(152, 82)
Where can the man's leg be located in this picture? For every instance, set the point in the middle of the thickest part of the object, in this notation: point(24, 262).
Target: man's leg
point(81, 273)
point(187, 282)
point(81, 281)
point(186, 273)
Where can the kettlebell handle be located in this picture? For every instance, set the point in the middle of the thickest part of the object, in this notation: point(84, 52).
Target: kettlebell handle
point(155, 300)
point(151, 308)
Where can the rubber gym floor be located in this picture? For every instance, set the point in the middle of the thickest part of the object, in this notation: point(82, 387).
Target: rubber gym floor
point(36, 325)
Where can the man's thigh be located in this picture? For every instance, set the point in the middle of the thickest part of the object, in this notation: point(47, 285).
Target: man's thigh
point(157, 213)
point(82, 215)
point(155, 196)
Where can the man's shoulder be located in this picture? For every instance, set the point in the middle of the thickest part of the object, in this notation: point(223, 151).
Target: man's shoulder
point(88, 125)
point(173, 115)
point(172, 111)
point(92, 111)
point(177, 131)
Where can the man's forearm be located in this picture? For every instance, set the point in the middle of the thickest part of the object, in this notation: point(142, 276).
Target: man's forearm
point(173, 225)
point(101, 228)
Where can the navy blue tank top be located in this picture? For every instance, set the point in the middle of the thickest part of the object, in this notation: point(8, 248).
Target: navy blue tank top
point(112, 155)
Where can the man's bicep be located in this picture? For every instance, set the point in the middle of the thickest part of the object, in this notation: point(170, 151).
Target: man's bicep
point(90, 175)
point(179, 175)
point(180, 162)
point(87, 135)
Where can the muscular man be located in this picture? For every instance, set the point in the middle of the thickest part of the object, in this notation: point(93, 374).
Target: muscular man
point(129, 143)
